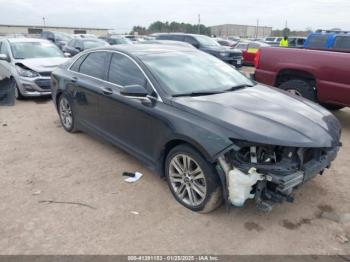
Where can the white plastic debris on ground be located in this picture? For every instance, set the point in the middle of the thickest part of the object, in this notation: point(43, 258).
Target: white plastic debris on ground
point(137, 176)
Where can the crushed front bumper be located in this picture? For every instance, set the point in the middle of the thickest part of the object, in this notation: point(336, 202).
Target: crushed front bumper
point(272, 187)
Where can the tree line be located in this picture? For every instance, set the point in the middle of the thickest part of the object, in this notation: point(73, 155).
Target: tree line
point(161, 27)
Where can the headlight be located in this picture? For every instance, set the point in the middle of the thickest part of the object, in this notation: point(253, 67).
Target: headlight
point(26, 72)
point(224, 54)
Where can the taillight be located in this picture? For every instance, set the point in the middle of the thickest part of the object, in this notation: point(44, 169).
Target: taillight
point(257, 59)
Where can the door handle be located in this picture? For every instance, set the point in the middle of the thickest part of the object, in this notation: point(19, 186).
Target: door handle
point(107, 91)
point(74, 79)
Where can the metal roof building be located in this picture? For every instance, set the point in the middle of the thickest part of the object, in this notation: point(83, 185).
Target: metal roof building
point(244, 31)
point(32, 29)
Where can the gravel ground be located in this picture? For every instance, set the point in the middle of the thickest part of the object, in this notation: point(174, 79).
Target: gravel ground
point(40, 162)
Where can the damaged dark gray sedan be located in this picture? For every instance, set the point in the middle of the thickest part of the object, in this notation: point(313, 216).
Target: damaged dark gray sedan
point(213, 133)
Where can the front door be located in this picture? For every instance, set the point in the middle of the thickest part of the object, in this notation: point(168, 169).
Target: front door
point(132, 123)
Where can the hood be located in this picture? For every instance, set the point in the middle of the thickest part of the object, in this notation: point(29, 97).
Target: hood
point(43, 64)
point(266, 115)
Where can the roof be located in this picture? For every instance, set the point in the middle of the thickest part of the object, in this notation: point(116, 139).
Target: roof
point(142, 49)
point(25, 39)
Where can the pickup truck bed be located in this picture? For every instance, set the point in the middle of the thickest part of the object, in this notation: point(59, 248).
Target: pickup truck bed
point(322, 76)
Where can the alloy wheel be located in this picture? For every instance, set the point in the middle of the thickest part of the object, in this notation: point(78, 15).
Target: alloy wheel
point(66, 113)
point(187, 180)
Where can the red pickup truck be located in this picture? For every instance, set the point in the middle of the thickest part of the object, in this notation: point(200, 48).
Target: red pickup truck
point(321, 76)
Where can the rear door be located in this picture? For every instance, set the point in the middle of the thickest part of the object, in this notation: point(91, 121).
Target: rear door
point(88, 74)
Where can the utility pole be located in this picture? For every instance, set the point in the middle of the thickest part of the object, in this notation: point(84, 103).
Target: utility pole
point(257, 29)
point(44, 21)
point(199, 24)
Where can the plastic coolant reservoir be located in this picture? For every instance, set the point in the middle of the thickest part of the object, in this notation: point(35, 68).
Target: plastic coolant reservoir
point(240, 185)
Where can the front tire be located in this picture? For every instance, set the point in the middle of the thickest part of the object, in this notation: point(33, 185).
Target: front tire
point(300, 87)
point(192, 180)
point(66, 114)
point(18, 94)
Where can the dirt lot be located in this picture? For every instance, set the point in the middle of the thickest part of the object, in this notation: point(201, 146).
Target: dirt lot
point(39, 161)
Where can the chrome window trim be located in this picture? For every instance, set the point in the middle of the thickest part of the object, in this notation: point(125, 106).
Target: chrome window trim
point(119, 86)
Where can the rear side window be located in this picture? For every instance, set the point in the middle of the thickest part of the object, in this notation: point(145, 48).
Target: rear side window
point(301, 41)
point(254, 45)
point(163, 37)
point(191, 40)
point(242, 46)
point(171, 37)
point(177, 38)
point(318, 41)
point(342, 42)
point(76, 66)
point(124, 72)
point(71, 42)
point(95, 65)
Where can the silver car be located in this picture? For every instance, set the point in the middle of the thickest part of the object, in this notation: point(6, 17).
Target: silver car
point(26, 65)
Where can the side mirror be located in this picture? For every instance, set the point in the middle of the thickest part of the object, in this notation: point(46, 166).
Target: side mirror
point(4, 57)
point(134, 91)
point(67, 54)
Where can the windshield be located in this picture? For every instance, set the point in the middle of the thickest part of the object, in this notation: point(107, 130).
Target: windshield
point(63, 37)
point(94, 43)
point(206, 40)
point(190, 72)
point(26, 50)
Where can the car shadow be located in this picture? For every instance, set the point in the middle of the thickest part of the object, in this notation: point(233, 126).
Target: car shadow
point(344, 118)
point(37, 100)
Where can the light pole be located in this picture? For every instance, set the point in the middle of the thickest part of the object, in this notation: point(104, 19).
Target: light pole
point(44, 21)
point(199, 24)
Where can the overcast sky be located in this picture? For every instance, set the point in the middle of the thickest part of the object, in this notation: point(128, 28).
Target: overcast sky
point(123, 14)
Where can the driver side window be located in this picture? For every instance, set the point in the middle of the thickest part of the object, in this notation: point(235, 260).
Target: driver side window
point(124, 72)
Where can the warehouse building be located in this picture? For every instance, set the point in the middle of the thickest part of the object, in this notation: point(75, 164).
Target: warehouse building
point(243, 31)
point(23, 29)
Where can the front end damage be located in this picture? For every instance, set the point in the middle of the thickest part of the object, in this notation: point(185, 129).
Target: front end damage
point(269, 174)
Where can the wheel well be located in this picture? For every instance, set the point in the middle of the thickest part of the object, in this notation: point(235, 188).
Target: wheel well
point(288, 74)
point(170, 145)
point(57, 98)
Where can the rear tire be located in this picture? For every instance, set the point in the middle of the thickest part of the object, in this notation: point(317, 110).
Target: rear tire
point(192, 180)
point(300, 87)
point(66, 114)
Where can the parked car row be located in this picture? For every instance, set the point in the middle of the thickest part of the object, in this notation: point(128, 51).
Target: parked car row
point(206, 44)
point(188, 114)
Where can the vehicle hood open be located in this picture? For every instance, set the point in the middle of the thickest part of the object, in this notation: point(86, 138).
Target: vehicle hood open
point(266, 115)
point(43, 64)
